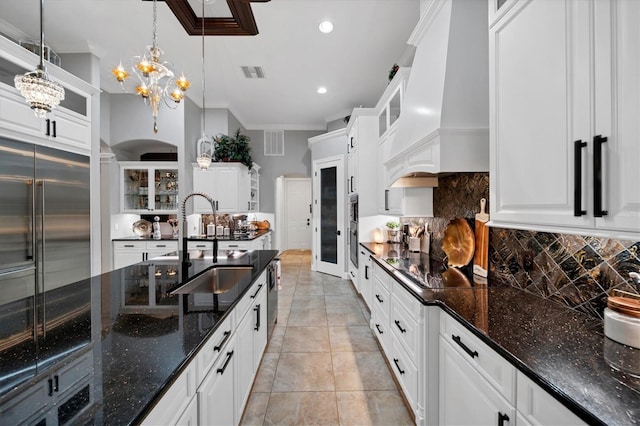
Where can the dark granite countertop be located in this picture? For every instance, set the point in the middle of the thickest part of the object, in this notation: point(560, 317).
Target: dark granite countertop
point(140, 340)
point(562, 350)
point(246, 237)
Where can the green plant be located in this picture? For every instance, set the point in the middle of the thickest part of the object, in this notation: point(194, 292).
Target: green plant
point(393, 225)
point(233, 148)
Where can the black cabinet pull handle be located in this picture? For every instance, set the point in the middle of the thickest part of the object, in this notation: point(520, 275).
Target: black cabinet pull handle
point(402, 330)
point(56, 378)
point(129, 245)
point(386, 199)
point(598, 140)
point(224, 367)
point(351, 141)
point(471, 353)
point(395, 361)
point(351, 183)
point(161, 245)
point(50, 383)
point(257, 291)
point(577, 178)
point(257, 310)
point(48, 131)
point(378, 327)
point(55, 133)
point(502, 418)
point(379, 299)
point(227, 334)
point(366, 272)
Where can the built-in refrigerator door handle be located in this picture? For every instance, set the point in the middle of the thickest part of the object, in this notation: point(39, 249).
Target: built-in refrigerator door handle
point(40, 259)
point(31, 229)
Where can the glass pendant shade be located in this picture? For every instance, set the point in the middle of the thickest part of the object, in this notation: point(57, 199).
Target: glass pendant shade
point(204, 154)
point(40, 92)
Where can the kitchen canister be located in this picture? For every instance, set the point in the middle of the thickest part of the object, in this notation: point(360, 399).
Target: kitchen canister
point(414, 244)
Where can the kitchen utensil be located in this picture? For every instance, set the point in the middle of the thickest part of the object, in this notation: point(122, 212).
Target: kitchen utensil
point(142, 228)
point(481, 256)
point(458, 242)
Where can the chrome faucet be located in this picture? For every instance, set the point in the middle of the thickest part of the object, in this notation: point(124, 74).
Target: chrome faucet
point(185, 226)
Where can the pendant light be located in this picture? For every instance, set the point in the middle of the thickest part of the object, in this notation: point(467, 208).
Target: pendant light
point(41, 93)
point(205, 144)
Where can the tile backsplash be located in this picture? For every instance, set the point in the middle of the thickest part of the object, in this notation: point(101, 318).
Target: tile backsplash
point(574, 270)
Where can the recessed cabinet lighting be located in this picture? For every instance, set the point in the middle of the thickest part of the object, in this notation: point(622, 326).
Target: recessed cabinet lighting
point(325, 27)
point(322, 90)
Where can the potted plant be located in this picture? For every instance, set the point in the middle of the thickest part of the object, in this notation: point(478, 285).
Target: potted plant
point(233, 148)
point(392, 230)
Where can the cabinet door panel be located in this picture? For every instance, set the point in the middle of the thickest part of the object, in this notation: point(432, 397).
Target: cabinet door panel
point(540, 106)
point(617, 66)
point(215, 395)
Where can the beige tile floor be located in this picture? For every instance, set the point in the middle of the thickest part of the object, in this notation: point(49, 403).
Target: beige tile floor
point(322, 366)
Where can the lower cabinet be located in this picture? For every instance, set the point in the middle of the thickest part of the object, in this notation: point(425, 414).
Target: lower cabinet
point(214, 388)
point(127, 253)
point(465, 396)
point(365, 283)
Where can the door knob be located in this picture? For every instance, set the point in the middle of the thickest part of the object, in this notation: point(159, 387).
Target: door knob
point(337, 232)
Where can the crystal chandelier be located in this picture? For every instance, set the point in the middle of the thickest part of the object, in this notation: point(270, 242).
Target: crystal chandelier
point(40, 93)
point(205, 154)
point(157, 82)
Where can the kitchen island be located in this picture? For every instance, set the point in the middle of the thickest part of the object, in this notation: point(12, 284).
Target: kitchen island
point(562, 351)
point(133, 338)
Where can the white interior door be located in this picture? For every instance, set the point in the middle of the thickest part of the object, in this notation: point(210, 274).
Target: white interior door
point(329, 216)
point(297, 213)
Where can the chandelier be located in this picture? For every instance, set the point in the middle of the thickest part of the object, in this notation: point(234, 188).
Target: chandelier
point(41, 93)
point(205, 155)
point(157, 82)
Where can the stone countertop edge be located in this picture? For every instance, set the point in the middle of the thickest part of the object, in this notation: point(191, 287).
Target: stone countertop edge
point(518, 345)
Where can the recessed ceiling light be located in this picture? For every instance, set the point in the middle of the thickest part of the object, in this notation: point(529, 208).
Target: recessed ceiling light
point(325, 27)
point(322, 90)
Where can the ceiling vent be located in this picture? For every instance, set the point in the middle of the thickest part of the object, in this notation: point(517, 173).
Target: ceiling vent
point(253, 72)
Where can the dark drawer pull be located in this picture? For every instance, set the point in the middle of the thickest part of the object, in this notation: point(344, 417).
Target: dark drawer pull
point(224, 367)
point(577, 178)
point(233, 245)
point(50, 383)
point(257, 310)
point(502, 418)
point(395, 361)
point(402, 330)
point(227, 334)
point(201, 245)
point(471, 353)
point(597, 176)
point(129, 245)
point(378, 327)
point(257, 291)
point(366, 272)
point(379, 299)
point(161, 245)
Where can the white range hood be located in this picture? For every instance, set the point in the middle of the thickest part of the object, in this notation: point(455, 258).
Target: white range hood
point(444, 122)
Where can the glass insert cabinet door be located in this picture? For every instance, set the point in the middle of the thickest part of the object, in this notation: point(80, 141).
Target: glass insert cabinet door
point(149, 187)
point(328, 216)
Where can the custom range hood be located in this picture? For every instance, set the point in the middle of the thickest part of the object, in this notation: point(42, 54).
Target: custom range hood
point(443, 126)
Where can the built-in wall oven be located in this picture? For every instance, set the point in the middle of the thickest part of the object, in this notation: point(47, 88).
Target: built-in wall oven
point(273, 272)
point(353, 229)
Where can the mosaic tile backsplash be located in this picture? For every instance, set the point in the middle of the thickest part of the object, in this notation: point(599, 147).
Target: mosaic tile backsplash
point(574, 270)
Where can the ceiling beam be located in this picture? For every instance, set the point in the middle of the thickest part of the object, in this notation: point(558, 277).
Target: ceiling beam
point(241, 23)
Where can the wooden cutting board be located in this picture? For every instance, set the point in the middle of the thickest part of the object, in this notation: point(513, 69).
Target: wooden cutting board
point(481, 256)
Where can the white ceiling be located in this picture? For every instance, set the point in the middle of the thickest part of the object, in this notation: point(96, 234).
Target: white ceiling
point(352, 62)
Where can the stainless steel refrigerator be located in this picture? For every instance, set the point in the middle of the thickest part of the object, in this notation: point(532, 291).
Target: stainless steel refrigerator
point(44, 250)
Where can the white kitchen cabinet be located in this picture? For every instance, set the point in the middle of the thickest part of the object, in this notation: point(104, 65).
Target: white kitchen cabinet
point(553, 96)
point(389, 199)
point(365, 280)
point(127, 253)
point(67, 127)
point(245, 368)
point(216, 396)
point(178, 404)
point(536, 407)
point(362, 140)
point(465, 396)
point(231, 185)
point(149, 187)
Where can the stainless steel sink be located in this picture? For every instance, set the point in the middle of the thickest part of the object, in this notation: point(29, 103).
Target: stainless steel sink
point(216, 280)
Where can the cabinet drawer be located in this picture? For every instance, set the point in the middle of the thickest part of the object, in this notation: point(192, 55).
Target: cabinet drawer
point(381, 299)
point(493, 367)
point(176, 400)
point(537, 406)
point(380, 275)
point(405, 329)
point(199, 245)
point(405, 299)
point(161, 245)
point(130, 245)
point(405, 371)
point(234, 245)
point(213, 348)
point(250, 298)
point(380, 326)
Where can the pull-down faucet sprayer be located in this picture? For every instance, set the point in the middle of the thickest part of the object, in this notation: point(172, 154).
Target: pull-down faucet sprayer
point(185, 226)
